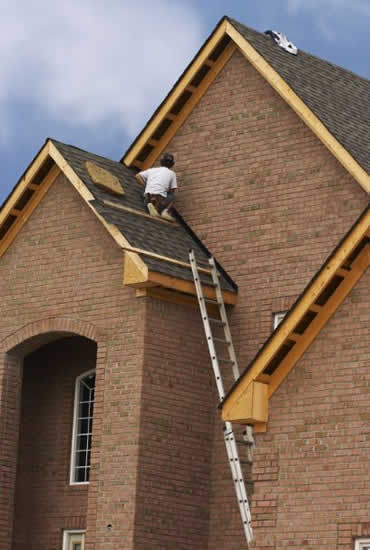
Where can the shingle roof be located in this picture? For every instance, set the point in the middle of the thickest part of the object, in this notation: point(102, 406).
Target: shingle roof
point(338, 97)
point(167, 239)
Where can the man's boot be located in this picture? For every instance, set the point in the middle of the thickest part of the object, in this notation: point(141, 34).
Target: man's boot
point(152, 210)
point(167, 216)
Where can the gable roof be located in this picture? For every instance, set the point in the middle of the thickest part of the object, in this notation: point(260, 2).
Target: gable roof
point(157, 250)
point(306, 318)
point(333, 102)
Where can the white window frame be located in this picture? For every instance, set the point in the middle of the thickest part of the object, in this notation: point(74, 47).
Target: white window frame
point(277, 318)
point(74, 430)
point(362, 543)
point(72, 536)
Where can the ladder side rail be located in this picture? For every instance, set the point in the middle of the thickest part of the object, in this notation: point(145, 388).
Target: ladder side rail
point(238, 479)
point(229, 437)
point(229, 433)
point(223, 315)
point(207, 326)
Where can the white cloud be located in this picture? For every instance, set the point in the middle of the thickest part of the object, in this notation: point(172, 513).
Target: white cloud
point(87, 62)
point(330, 16)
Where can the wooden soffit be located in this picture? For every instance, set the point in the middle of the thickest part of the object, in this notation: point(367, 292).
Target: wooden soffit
point(313, 309)
point(194, 83)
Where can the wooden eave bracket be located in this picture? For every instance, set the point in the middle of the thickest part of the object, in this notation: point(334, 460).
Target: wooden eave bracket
point(167, 287)
point(238, 404)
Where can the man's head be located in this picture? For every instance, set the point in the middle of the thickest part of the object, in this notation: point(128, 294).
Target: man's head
point(167, 160)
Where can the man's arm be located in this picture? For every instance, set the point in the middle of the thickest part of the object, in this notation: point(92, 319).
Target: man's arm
point(140, 179)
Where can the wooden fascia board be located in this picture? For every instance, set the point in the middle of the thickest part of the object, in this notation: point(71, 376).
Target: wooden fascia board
point(188, 287)
point(27, 211)
point(142, 279)
point(358, 269)
point(304, 112)
point(173, 297)
point(24, 182)
point(294, 317)
point(190, 105)
point(175, 94)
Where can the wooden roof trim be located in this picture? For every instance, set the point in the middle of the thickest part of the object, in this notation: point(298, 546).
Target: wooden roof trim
point(130, 156)
point(24, 182)
point(173, 296)
point(304, 112)
point(138, 279)
point(335, 266)
point(189, 106)
point(139, 213)
point(25, 197)
point(21, 216)
point(349, 281)
point(163, 258)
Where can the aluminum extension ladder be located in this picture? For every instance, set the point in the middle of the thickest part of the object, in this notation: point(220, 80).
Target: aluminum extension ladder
point(229, 437)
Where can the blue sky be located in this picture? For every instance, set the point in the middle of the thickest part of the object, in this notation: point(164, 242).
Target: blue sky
point(90, 73)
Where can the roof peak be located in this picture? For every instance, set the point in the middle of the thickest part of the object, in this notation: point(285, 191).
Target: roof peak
point(300, 50)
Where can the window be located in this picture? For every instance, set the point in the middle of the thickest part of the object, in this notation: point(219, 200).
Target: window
point(362, 544)
point(277, 318)
point(82, 429)
point(73, 540)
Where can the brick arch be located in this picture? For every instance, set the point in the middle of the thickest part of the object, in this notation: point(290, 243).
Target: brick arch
point(13, 349)
point(38, 333)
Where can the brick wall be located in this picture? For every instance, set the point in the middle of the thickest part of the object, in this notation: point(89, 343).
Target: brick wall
point(63, 275)
point(177, 419)
point(271, 202)
point(44, 495)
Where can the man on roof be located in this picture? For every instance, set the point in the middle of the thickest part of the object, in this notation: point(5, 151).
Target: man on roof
point(160, 187)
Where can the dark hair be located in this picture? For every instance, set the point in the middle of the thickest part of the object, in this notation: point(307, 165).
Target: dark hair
point(167, 160)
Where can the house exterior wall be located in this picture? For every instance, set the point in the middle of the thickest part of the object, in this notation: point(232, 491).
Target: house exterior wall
point(63, 275)
point(271, 202)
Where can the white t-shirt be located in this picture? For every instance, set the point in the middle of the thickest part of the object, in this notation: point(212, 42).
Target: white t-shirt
point(158, 181)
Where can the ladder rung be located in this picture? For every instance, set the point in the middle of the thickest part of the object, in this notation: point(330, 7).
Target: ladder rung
point(223, 341)
point(226, 360)
point(243, 442)
point(217, 321)
point(212, 285)
point(211, 301)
